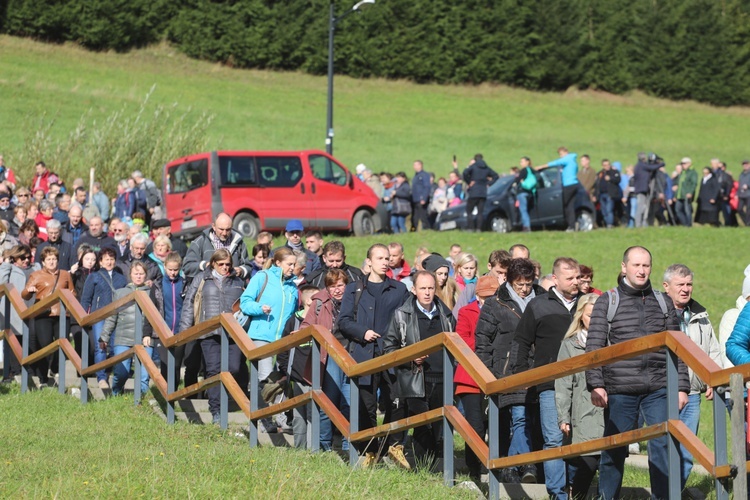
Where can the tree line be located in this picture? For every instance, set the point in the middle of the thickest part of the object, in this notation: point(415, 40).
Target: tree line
point(677, 49)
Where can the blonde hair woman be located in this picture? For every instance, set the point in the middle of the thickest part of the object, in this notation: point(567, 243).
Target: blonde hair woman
point(466, 269)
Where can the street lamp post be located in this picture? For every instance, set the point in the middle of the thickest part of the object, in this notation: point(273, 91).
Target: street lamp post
point(332, 20)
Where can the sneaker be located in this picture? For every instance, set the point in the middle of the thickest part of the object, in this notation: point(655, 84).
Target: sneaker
point(216, 419)
point(528, 474)
point(396, 453)
point(370, 460)
point(103, 384)
point(509, 476)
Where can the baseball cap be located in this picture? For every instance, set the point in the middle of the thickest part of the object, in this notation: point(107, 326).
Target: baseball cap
point(294, 225)
point(686, 160)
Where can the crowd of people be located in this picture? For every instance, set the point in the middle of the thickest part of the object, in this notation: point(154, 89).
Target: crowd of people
point(637, 195)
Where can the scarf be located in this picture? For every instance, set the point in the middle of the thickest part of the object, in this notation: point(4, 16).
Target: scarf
point(469, 281)
point(582, 336)
point(218, 277)
point(522, 303)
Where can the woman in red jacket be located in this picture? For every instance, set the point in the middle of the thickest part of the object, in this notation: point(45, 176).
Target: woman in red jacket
point(466, 388)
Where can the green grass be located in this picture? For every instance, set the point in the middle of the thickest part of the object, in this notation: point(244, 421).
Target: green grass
point(385, 124)
point(54, 447)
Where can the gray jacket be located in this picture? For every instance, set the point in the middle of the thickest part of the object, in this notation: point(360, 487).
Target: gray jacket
point(15, 276)
point(216, 299)
point(404, 331)
point(573, 399)
point(201, 250)
point(122, 323)
point(701, 332)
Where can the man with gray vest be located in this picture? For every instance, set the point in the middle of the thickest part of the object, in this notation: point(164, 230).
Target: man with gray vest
point(638, 385)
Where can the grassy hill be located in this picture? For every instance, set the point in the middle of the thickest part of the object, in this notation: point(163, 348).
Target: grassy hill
point(385, 124)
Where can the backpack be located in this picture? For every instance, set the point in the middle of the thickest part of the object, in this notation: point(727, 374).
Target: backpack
point(198, 302)
point(614, 303)
point(530, 182)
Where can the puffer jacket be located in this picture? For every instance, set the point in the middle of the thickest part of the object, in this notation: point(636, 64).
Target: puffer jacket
point(122, 324)
point(738, 344)
point(216, 299)
point(176, 289)
point(702, 333)
point(495, 332)
point(573, 399)
point(46, 283)
point(404, 331)
point(99, 289)
point(14, 276)
point(279, 293)
point(638, 315)
point(200, 252)
point(728, 320)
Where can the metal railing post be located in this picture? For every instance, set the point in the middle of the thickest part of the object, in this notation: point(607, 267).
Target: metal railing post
point(448, 475)
point(494, 444)
point(7, 353)
point(673, 413)
point(254, 394)
point(737, 420)
point(353, 418)
point(720, 440)
point(314, 409)
point(224, 395)
point(84, 364)
point(24, 354)
point(171, 384)
point(61, 359)
point(138, 365)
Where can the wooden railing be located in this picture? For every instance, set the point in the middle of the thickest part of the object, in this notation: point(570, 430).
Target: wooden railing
point(454, 349)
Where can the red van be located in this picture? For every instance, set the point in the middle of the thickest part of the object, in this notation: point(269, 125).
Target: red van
point(262, 190)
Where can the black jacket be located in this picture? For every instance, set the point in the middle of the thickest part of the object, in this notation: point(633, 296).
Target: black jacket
point(318, 278)
point(96, 242)
point(638, 314)
point(608, 181)
point(404, 331)
point(153, 272)
point(477, 177)
point(372, 314)
point(201, 250)
point(542, 326)
point(494, 335)
point(66, 256)
point(709, 190)
point(216, 299)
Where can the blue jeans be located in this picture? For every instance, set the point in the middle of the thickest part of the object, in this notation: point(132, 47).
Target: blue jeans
point(608, 208)
point(121, 371)
point(554, 470)
point(633, 202)
point(99, 355)
point(520, 441)
point(398, 223)
point(691, 417)
point(523, 208)
point(336, 387)
point(684, 212)
point(621, 416)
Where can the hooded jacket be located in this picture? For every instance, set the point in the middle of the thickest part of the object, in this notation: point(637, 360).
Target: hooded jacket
point(200, 252)
point(738, 344)
point(728, 321)
point(477, 177)
point(280, 293)
point(122, 324)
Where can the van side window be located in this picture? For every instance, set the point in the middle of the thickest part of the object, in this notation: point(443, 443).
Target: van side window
point(324, 169)
point(279, 171)
point(187, 176)
point(237, 170)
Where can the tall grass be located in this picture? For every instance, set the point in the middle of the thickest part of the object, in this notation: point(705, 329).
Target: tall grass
point(141, 137)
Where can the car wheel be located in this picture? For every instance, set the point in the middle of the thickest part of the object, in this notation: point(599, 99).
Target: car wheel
point(362, 224)
point(585, 221)
point(498, 224)
point(247, 225)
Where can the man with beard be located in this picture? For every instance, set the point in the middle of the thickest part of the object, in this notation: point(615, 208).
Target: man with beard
point(95, 238)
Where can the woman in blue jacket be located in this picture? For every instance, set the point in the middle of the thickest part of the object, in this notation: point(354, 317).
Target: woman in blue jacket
point(97, 293)
point(738, 344)
point(270, 299)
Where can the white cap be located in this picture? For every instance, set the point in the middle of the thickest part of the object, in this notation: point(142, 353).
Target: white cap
point(686, 160)
point(361, 168)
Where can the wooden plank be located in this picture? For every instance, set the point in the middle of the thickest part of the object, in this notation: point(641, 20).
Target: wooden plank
point(109, 310)
point(337, 418)
point(151, 314)
point(41, 353)
point(153, 371)
point(286, 405)
point(468, 359)
point(237, 333)
point(738, 435)
point(472, 439)
point(335, 350)
point(400, 425)
point(107, 363)
point(685, 436)
point(16, 301)
point(195, 388)
point(721, 377)
point(75, 310)
point(236, 392)
point(552, 371)
point(398, 357)
point(196, 331)
point(281, 345)
point(693, 356)
point(14, 344)
point(572, 450)
point(40, 307)
point(71, 354)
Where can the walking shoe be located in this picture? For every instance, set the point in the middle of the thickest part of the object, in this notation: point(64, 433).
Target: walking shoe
point(216, 419)
point(509, 476)
point(528, 474)
point(370, 460)
point(103, 384)
point(396, 453)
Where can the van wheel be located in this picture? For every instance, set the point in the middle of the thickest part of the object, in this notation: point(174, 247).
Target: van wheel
point(362, 224)
point(247, 225)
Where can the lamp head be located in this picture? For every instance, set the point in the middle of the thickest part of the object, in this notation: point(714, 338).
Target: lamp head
point(362, 3)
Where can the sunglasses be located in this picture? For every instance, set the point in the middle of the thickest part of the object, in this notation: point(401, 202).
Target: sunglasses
point(224, 264)
point(23, 195)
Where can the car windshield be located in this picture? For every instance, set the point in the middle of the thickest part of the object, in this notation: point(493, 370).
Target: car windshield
point(500, 185)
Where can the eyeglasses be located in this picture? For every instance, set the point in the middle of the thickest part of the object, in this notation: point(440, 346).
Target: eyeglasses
point(585, 280)
point(23, 195)
point(224, 264)
point(25, 257)
point(516, 284)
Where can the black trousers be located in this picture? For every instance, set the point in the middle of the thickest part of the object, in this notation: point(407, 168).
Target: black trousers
point(11, 366)
point(427, 439)
point(368, 406)
point(569, 205)
point(419, 213)
point(211, 348)
point(475, 223)
point(44, 332)
point(193, 360)
point(581, 471)
point(475, 416)
point(179, 354)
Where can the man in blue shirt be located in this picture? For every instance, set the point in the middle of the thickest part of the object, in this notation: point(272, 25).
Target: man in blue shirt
point(569, 163)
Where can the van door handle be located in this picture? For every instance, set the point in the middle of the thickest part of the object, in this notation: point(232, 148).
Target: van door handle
point(187, 211)
point(312, 185)
point(302, 188)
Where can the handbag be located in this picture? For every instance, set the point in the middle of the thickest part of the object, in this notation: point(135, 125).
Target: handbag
point(242, 318)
